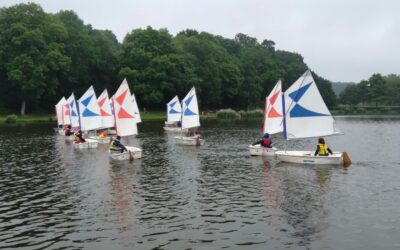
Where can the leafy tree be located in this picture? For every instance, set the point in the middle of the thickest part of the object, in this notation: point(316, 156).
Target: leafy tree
point(31, 51)
point(377, 89)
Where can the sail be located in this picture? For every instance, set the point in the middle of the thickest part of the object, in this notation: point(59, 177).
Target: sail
point(306, 114)
point(125, 121)
point(73, 114)
point(174, 110)
point(190, 114)
point(59, 111)
point(89, 111)
point(136, 109)
point(105, 110)
point(273, 114)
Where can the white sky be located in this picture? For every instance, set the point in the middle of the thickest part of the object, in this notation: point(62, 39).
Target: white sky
point(340, 40)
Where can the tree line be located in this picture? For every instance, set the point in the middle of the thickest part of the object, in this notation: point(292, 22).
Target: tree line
point(45, 56)
point(378, 90)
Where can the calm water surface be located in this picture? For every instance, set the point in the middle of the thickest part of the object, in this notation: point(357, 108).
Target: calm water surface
point(213, 197)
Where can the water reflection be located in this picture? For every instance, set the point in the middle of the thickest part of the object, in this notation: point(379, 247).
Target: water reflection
point(211, 197)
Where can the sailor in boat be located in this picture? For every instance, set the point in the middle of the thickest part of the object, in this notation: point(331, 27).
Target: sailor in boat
point(79, 137)
point(322, 148)
point(265, 141)
point(117, 146)
point(68, 131)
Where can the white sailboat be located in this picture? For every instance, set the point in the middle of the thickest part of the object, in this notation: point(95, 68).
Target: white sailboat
point(107, 117)
point(190, 119)
point(59, 116)
point(71, 112)
point(136, 109)
point(272, 120)
point(305, 116)
point(174, 116)
point(125, 121)
point(89, 117)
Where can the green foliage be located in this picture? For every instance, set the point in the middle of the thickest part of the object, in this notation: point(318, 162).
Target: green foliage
point(11, 119)
point(378, 90)
point(31, 51)
point(227, 114)
point(252, 114)
point(45, 56)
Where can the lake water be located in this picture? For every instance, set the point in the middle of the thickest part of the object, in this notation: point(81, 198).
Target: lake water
point(53, 196)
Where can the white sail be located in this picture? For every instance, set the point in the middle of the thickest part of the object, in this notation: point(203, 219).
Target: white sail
point(136, 109)
point(125, 121)
point(306, 114)
point(89, 111)
point(105, 110)
point(174, 110)
point(273, 114)
point(190, 110)
point(73, 113)
point(59, 111)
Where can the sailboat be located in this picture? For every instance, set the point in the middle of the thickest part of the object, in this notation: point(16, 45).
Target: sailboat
point(71, 112)
point(272, 120)
point(125, 121)
point(59, 116)
point(136, 109)
point(174, 116)
point(190, 120)
point(89, 117)
point(107, 117)
point(306, 115)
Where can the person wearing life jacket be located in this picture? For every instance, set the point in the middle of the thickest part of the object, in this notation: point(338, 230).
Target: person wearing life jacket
point(322, 148)
point(116, 145)
point(265, 141)
point(68, 131)
point(79, 137)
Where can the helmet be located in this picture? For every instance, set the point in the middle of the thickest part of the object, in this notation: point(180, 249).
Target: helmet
point(266, 135)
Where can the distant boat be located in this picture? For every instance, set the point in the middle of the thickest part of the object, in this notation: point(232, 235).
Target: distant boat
point(174, 116)
point(136, 111)
point(71, 112)
point(125, 121)
point(89, 117)
point(306, 115)
point(107, 117)
point(272, 123)
point(190, 120)
point(59, 116)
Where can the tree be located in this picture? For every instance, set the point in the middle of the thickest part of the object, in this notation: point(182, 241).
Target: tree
point(31, 51)
point(377, 89)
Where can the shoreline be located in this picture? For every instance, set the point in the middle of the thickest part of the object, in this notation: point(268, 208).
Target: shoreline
point(160, 116)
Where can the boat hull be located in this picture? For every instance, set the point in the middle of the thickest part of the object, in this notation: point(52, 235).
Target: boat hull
point(188, 141)
point(136, 154)
point(307, 157)
point(104, 140)
point(90, 143)
point(175, 130)
point(257, 150)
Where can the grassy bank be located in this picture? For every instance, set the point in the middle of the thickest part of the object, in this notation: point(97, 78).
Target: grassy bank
point(50, 118)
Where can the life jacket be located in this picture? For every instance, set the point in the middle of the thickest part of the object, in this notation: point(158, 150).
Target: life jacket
point(266, 142)
point(322, 150)
point(113, 146)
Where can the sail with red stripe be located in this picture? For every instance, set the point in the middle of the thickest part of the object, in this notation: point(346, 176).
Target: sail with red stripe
point(106, 113)
point(273, 114)
point(124, 111)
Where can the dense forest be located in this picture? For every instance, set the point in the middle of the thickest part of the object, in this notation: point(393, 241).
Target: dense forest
point(46, 56)
point(378, 90)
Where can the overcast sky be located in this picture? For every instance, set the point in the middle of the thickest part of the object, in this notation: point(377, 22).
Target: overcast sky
point(340, 40)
